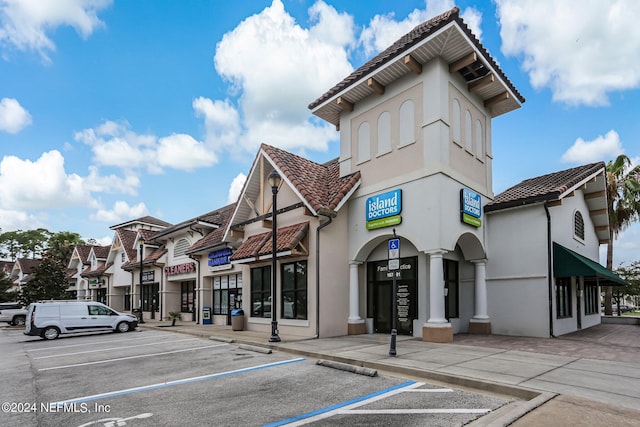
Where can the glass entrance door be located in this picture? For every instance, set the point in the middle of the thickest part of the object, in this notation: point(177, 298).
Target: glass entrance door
point(406, 307)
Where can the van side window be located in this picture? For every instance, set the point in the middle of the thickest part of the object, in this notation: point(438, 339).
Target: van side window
point(96, 310)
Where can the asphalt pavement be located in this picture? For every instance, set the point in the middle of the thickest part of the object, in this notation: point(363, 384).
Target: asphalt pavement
point(587, 378)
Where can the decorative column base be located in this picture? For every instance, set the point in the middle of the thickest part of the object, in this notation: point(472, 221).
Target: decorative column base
point(437, 332)
point(480, 327)
point(356, 328)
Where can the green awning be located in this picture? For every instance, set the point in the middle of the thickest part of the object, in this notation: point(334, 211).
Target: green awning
point(567, 263)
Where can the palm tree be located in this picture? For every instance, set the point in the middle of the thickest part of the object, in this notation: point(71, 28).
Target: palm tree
point(623, 204)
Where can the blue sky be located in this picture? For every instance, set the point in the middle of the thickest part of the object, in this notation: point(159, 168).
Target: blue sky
point(111, 110)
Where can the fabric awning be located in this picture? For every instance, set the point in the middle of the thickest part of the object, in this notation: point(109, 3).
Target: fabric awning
point(567, 263)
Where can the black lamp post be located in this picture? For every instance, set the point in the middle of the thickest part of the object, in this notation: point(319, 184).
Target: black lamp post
point(141, 293)
point(274, 181)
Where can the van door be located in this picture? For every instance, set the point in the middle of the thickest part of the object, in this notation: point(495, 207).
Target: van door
point(74, 317)
point(102, 317)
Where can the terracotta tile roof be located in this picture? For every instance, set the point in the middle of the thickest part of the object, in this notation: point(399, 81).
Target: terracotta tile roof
point(70, 272)
point(149, 259)
point(260, 244)
point(102, 252)
point(219, 217)
point(416, 35)
point(83, 253)
point(319, 184)
point(28, 265)
point(543, 188)
point(99, 271)
point(127, 238)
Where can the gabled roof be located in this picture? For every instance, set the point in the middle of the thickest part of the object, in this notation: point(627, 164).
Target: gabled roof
point(214, 239)
point(210, 221)
point(259, 246)
point(319, 186)
point(145, 220)
point(445, 36)
point(154, 256)
point(101, 252)
point(127, 240)
point(552, 188)
point(83, 252)
point(99, 271)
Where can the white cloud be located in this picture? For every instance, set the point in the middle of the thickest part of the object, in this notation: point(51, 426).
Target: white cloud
point(274, 96)
point(13, 117)
point(235, 188)
point(603, 148)
point(42, 184)
point(25, 23)
point(180, 151)
point(19, 220)
point(222, 123)
point(582, 51)
point(121, 212)
point(384, 30)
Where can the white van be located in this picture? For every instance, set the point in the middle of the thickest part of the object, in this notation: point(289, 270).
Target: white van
point(49, 319)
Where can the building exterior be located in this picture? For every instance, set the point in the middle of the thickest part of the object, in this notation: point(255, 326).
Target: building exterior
point(404, 223)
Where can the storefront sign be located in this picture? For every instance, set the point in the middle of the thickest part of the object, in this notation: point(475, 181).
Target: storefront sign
point(470, 207)
point(384, 210)
point(406, 270)
point(148, 276)
point(221, 257)
point(187, 267)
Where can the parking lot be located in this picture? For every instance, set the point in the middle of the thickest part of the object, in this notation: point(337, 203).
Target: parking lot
point(153, 378)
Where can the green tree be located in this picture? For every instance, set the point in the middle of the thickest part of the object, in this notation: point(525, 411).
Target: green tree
point(48, 282)
point(623, 204)
point(5, 285)
point(631, 274)
point(60, 245)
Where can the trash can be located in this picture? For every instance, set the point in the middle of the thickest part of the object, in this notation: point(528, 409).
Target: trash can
point(237, 319)
point(206, 315)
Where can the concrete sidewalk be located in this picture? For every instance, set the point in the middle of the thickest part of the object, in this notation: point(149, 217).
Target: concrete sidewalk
point(588, 378)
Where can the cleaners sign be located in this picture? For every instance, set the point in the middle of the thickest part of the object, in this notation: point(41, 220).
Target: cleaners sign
point(384, 210)
point(470, 207)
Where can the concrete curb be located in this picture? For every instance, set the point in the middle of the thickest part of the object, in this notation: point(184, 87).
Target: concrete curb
point(255, 348)
point(348, 368)
point(221, 339)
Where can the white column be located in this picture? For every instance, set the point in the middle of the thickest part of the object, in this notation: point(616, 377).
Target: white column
point(480, 290)
point(436, 288)
point(354, 294)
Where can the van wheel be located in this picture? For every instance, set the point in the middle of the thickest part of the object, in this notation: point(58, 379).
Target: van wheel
point(18, 320)
point(50, 333)
point(123, 327)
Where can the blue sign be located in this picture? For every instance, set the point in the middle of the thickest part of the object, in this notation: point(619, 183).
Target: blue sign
point(470, 207)
point(220, 257)
point(384, 205)
point(394, 244)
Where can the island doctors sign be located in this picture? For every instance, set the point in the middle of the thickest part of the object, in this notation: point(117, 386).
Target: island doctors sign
point(470, 207)
point(384, 210)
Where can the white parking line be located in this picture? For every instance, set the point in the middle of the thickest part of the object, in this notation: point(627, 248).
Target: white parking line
point(171, 383)
point(85, 343)
point(411, 411)
point(129, 357)
point(111, 348)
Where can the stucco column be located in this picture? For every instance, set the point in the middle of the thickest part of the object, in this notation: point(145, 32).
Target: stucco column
point(480, 323)
point(355, 322)
point(437, 328)
point(436, 288)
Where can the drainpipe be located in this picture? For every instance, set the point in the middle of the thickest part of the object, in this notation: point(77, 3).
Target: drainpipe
point(329, 214)
point(549, 270)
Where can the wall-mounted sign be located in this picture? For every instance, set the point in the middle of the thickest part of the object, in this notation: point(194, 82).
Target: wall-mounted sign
point(384, 210)
point(470, 207)
point(220, 257)
point(148, 276)
point(187, 267)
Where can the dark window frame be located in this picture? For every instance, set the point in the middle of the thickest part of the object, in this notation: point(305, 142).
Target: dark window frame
point(578, 226)
point(260, 291)
point(187, 289)
point(564, 307)
point(591, 296)
point(221, 300)
point(294, 292)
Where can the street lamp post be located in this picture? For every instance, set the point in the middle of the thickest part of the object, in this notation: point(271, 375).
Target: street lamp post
point(140, 305)
point(274, 181)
